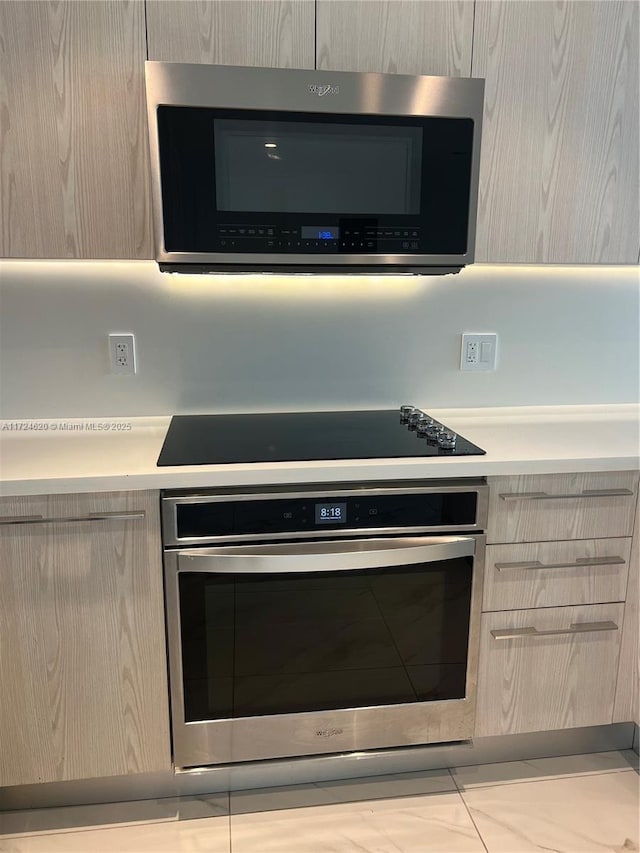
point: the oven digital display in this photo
(331, 513)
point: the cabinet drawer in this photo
(547, 507)
(43, 511)
(549, 574)
(555, 680)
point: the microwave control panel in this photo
(318, 238)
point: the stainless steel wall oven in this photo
(314, 619)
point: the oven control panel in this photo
(204, 520)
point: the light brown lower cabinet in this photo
(548, 668)
(82, 649)
(627, 706)
(561, 560)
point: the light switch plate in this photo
(478, 351)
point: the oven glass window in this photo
(305, 167)
(255, 645)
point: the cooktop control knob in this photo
(435, 430)
(405, 412)
(447, 439)
(424, 424)
(415, 416)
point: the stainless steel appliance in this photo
(265, 169)
(322, 619)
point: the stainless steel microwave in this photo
(278, 170)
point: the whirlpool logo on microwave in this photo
(320, 90)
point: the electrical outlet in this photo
(122, 354)
(478, 351)
(471, 352)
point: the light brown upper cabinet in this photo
(395, 36)
(74, 162)
(269, 33)
(559, 178)
(559, 168)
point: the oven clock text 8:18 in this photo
(333, 513)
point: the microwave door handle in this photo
(324, 557)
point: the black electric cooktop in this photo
(307, 436)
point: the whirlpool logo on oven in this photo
(329, 732)
(320, 90)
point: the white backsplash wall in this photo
(567, 335)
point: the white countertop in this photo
(112, 454)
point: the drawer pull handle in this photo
(575, 628)
(545, 496)
(578, 564)
(92, 516)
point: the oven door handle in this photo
(333, 556)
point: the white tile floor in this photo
(577, 804)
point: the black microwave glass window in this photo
(307, 167)
(236, 181)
